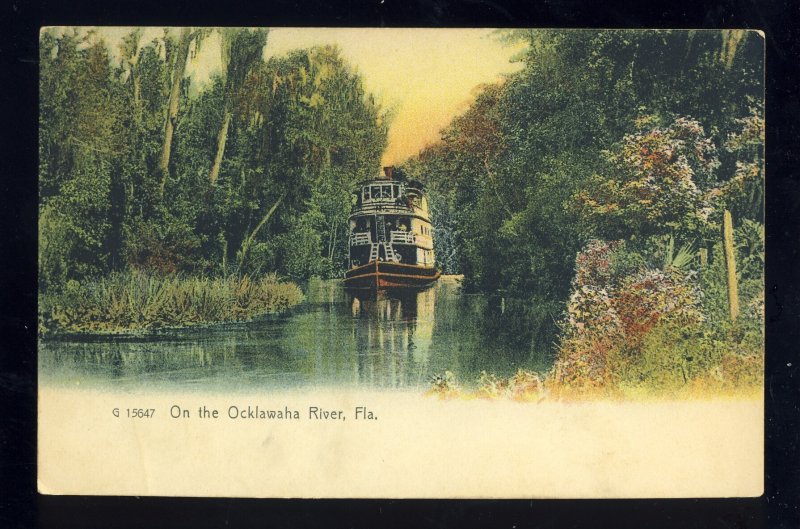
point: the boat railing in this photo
(390, 208)
(402, 237)
(357, 239)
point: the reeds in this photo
(135, 301)
(523, 386)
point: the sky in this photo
(424, 76)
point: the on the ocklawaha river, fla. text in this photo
(311, 413)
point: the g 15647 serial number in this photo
(135, 413)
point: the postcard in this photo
(401, 263)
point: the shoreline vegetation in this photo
(635, 198)
(734, 379)
(138, 302)
(643, 332)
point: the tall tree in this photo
(178, 57)
(543, 131)
(81, 139)
(129, 49)
(241, 49)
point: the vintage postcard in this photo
(401, 263)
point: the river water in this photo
(332, 339)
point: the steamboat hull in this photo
(385, 275)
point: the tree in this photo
(241, 49)
(318, 130)
(658, 183)
(177, 57)
(299, 131)
(78, 154)
(509, 169)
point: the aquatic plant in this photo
(524, 385)
(138, 301)
(491, 387)
(445, 385)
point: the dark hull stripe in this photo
(372, 278)
(396, 268)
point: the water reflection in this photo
(393, 334)
(388, 340)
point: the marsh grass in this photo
(523, 386)
(124, 302)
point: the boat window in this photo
(366, 193)
(381, 191)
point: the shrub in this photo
(584, 365)
(628, 329)
(654, 296)
(164, 246)
(526, 385)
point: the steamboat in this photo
(391, 237)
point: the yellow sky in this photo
(425, 76)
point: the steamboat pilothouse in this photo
(391, 237)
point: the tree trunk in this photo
(494, 187)
(332, 240)
(137, 96)
(224, 256)
(172, 110)
(245, 248)
(222, 138)
(730, 265)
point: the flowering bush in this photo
(609, 316)
(584, 363)
(654, 296)
(658, 182)
(593, 265)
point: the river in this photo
(332, 339)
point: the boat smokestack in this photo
(389, 172)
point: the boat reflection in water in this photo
(393, 335)
(334, 339)
(385, 339)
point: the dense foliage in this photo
(544, 161)
(598, 176)
(143, 170)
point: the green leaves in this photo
(653, 184)
(296, 133)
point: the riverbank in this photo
(744, 381)
(642, 332)
(137, 302)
